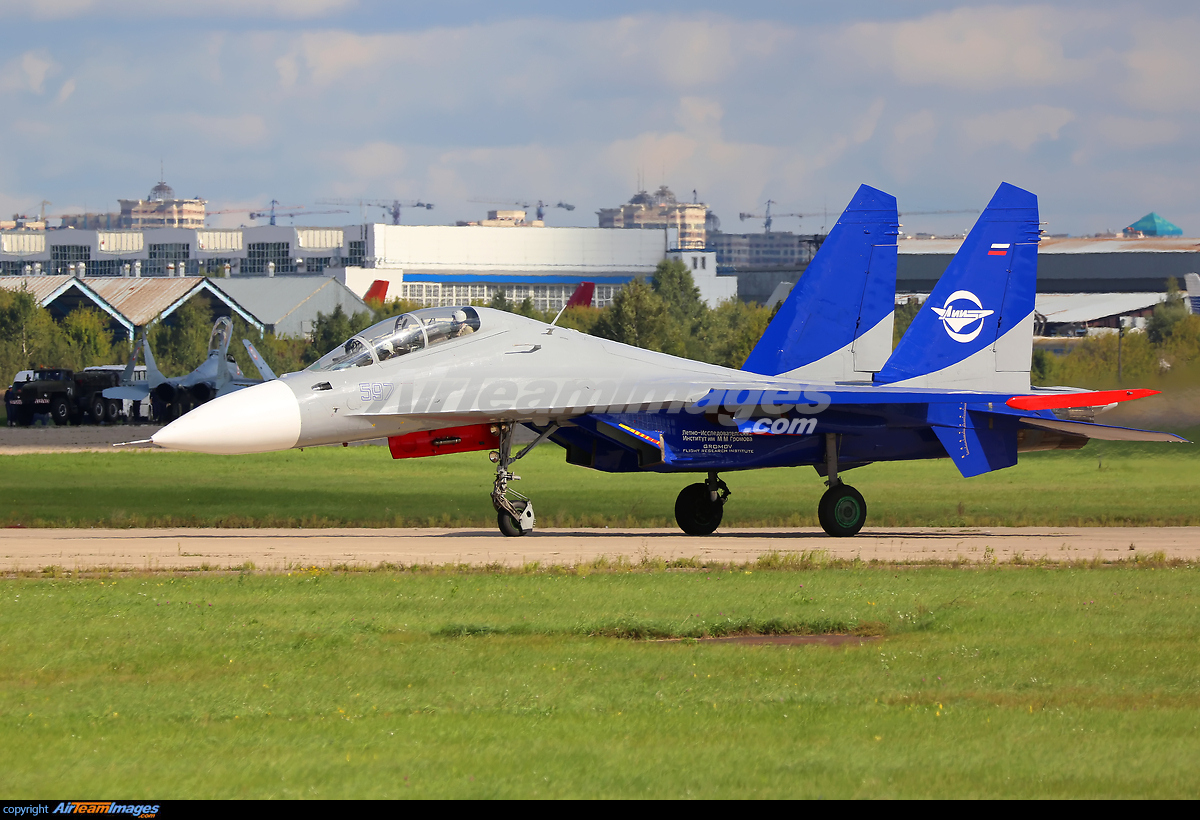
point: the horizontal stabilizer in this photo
(1103, 432)
(131, 392)
(1092, 398)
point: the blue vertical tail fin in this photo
(975, 331)
(836, 324)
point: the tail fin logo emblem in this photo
(956, 318)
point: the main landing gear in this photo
(699, 507)
(842, 510)
(514, 512)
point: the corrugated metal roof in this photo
(1076, 308)
(42, 287)
(274, 298)
(1071, 245)
(142, 300)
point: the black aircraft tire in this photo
(509, 525)
(842, 511)
(695, 511)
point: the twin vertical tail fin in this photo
(264, 369)
(154, 376)
(836, 324)
(975, 332)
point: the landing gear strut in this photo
(700, 507)
(514, 512)
(842, 510)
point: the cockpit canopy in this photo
(400, 335)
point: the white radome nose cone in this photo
(258, 419)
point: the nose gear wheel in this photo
(514, 512)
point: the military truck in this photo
(69, 397)
(91, 383)
(51, 391)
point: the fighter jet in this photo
(217, 375)
(822, 388)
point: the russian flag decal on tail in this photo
(999, 249)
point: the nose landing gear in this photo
(700, 507)
(514, 512)
(842, 510)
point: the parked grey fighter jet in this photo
(217, 375)
(822, 388)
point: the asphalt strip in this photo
(25, 550)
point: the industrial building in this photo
(661, 210)
(1069, 265)
(431, 265)
(284, 306)
(447, 265)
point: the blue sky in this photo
(1094, 106)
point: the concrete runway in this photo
(282, 549)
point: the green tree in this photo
(395, 307)
(637, 316)
(728, 334)
(89, 338)
(1043, 368)
(27, 326)
(686, 311)
(1167, 314)
(500, 301)
(180, 342)
(331, 330)
(906, 311)
(580, 318)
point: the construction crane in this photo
(928, 213)
(768, 217)
(276, 210)
(520, 203)
(392, 208)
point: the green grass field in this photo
(1105, 483)
(999, 682)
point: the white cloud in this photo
(700, 115)
(149, 9)
(27, 72)
(218, 132)
(739, 109)
(865, 129)
(912, 140)
(1163, 66)
(376, 159)
(972, 48)
(64, 93)
(1130, 132)
(1019, 128)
